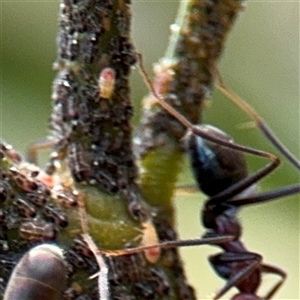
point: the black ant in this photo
(220, 170)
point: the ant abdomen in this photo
(215, 167)
(40, 274)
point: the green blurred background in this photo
(261, 63)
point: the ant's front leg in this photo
(215, 240)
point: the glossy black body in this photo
(216, 169)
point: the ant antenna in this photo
(202, 132)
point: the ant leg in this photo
(267, 196)
(34, 148)
(222, 265)
(260, 122)
(277, 271)
(194, 129)
(7, 150)
(216, 240)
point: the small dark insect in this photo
(10, 152)
(162, 282)
(37, 230)
(22, 181)
(36, 198)
(24, 209)
(40, 274)
(66, 199)
(55, 215)
(6, 191)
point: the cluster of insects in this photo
(34, 211)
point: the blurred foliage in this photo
(261, 63)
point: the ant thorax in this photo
(214, 166)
